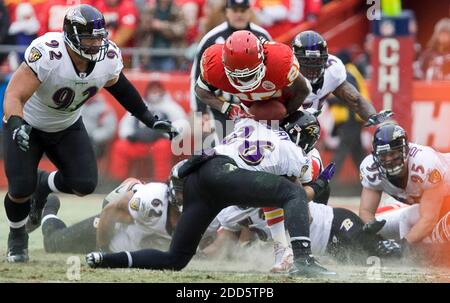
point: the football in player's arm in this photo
(408, 172)
(252, 70)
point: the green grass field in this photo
(248, 266)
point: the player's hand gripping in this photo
(234, 111)
(378, 118)
(20, 132)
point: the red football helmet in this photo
(243, 60)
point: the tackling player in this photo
(245, 170)
(42, 105)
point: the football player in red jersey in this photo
(252, 70)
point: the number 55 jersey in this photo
(56, 104)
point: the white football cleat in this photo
(284, 258)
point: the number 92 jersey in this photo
(56, 104)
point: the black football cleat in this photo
(38, 201)
(17, 247)
(308, 267)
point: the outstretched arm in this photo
(350, 95)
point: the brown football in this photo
(271, 109)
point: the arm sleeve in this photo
(127, 95)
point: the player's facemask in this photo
(391, 161)
(312, 68)
(91, 47)
(246, 80)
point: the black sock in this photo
(301, 248)
(16, 212)
(115, 260)
(42, 190)
(60, 184)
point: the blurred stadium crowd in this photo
(162, 36)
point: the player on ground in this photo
(410, 173)
(252, 70)
(335, 231)
(245, 170)
(42, 105)
(135, 216)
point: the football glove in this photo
(234, 111)
(388, 248)
(373, 226)
(165, 126)
(94, 259)
(324, 178)
(378, 118)
(20, 132)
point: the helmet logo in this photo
(75, 15)
(267, 85)
(397, 133)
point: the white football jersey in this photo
(57, 102)
(255, 146)
(426, 170)
(320, 227)
(148, 207)
(335, 74)
(233, 218)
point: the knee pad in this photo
(83, 187)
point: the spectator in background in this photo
(101, 123)
(214, 15)
(25, 27)
(121, 18)
(137, 141)
(161, 26)
(435, 61)
(192, 11)
(348, 124)
(4, 24)
(51, 13)
(279, 16)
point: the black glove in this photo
(378, 118)
(373, 226)
(20, 132)
(166, 127)
(388, 248)
(324, 178)
(159, 125)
